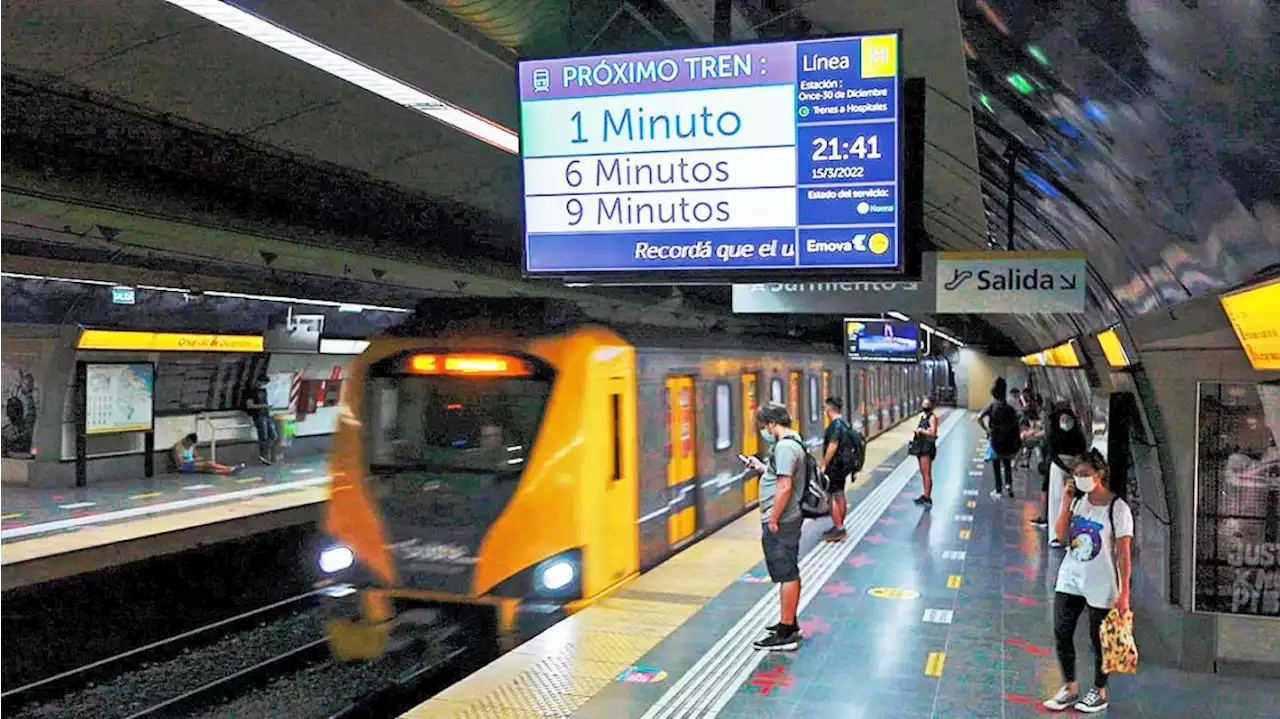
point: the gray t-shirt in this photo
(787, 458)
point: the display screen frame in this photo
(855, 354)
(910, 139)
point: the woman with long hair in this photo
(1064, 439)
(924, 447)
(1097, 527)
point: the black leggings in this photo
(1067, 609)
(1002, 467)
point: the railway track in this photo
(156, 652)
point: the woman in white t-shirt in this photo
(1097, 530)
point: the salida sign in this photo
(1011, 282)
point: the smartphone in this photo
(745, 459)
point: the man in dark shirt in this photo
(259, 411)
(838, 460)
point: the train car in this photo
(511, 460)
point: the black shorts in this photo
(837, 477)
(782, 550)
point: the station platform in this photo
(919, 613)
(48, 534)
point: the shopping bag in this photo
(990, 453)
(1119, 651)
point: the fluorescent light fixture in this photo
(899, 316)
(343, 306)
(344, 68)
(333, 346)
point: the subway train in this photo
(503, 459)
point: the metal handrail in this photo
(213, 433)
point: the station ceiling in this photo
(1144, 133)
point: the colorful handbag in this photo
(1119, 651)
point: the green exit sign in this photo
(122, 295)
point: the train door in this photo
(620, 545)
(750, 437)
(826, 392)
(873, 399)
(682, 482)
(793, 401)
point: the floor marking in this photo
(964, 517)
(766, 681)
(976, 473)
(893, 593)
(953, 581)
(247, 480)
(1024, 601)
(956, 554)
(970, 504)
(305, 470)
(197, 487)
(971, 493)
(146, 495)
(11, 515)
(1029, 648)
(1028, 572)
(876, 538)
(716, 677)
(964, 534)
(813, 626)
(859, 560)
(933, 665)
(938, 616)
(159, 508)
(77, 505)
(835, 589)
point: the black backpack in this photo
(851, 453)
(815, 490)
(1006, 437)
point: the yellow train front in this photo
(504, 469)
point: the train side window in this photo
(775, 390)
(724, 416)
(615, 409)
(814, 400)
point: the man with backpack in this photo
(842, 457)
(785, 477)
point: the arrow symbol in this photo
(1068, 281)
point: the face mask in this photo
(1066, 425)
(1086, 484)
(768, 437)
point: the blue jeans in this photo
(267, 434)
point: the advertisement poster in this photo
(21, 402)
(118, 398)
(1238, 499)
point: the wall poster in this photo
(119, 397)
(1237, 501)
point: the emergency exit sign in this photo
(122, 295)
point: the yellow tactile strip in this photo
(561, 669)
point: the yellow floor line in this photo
(146, 495)
(965, 534)
(558, 671)
(11, 515)
(953, 581)
(933, 665)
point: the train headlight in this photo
(336, 558)
(557, 574)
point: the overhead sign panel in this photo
(1254, 314)
(748, 158)
(840, 296)
(1013, 283)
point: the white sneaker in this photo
(1064, 699)
(995, 494)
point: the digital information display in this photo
(881, 341)
(747, 157)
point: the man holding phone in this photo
(781, 519)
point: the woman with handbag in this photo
(1097, 527)
(924, 447)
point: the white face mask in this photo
(1086, 484)
(1066, 425)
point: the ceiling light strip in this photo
(356, 73)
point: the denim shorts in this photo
(782, 550)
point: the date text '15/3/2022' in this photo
(771, 156)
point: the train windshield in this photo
(453, 424)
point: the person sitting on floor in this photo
(188, 462)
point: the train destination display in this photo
(748, 157)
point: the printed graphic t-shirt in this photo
(786, 459)
(1089, 568)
